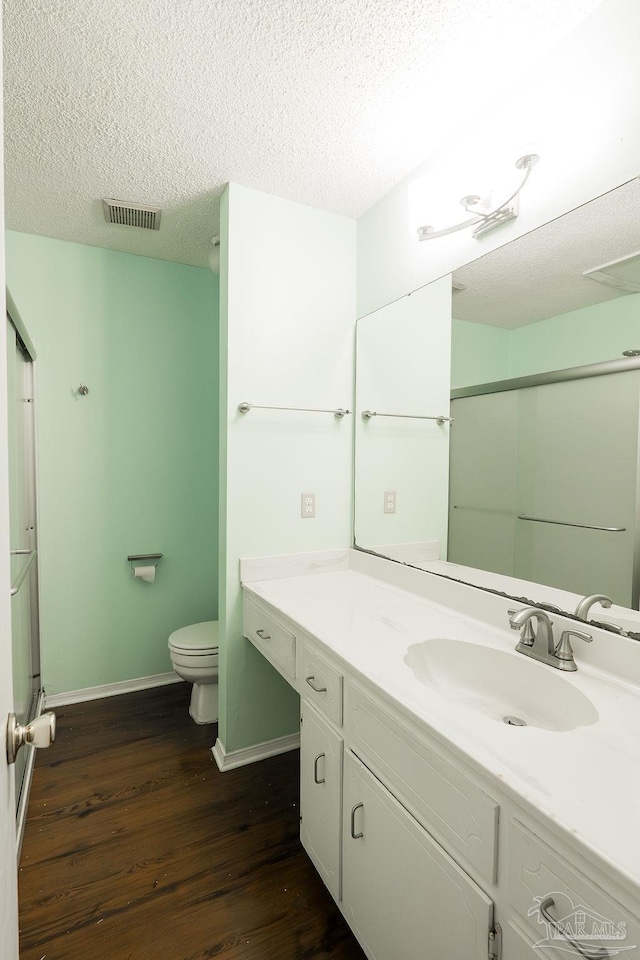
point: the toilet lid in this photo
(197, 636)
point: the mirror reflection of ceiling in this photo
(541, 275)
(324, 102)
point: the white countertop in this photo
(587, 780)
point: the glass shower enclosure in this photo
(544, 479)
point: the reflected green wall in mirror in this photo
(481, 353)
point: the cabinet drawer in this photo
(588, 914)
(460, 815)
(321, 683)
(270, 637)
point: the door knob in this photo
(41, 732)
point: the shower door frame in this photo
(604, 368)
(25, 346)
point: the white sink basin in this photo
(500, 684)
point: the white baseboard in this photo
(110, 689)
(239, 758)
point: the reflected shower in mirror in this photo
(542, 470)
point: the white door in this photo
(8, 872)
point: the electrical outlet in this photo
(308, 505)
(389, 501)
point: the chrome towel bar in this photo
(338, 414)
(368, 414)
(564, 523)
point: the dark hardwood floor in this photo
(138, 848)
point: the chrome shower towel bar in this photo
(368, 414)
(338, 414)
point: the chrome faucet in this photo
(539, 643)
(582, 610)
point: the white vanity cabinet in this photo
(426, 855)
(321, 683)
(403, 896)
(548, 892)
(321, 749)
(400, 891)
(455, 811)
(271, 637)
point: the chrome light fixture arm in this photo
(500, 213)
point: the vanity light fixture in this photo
(485, 215)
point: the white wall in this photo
(578, 111)
(287, 318)
(404, 354)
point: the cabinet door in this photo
(321, 795)
(404, 897)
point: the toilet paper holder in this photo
(144, 559)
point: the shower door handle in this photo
(19, 580)
(41, 732)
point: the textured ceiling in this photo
(327, 102)
(541, 274)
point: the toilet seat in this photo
(198, 639)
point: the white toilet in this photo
(194, 655)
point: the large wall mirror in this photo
(523, 462)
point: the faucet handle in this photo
(564, 650)
(549, 607)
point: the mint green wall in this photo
(481, 353)
(132, 467)
(590, 335)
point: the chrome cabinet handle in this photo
(356, 836)
(592, 953)
(310, 680)
(262, 634)
(315, 769)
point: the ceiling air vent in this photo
(623, 273)
(132, 214)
